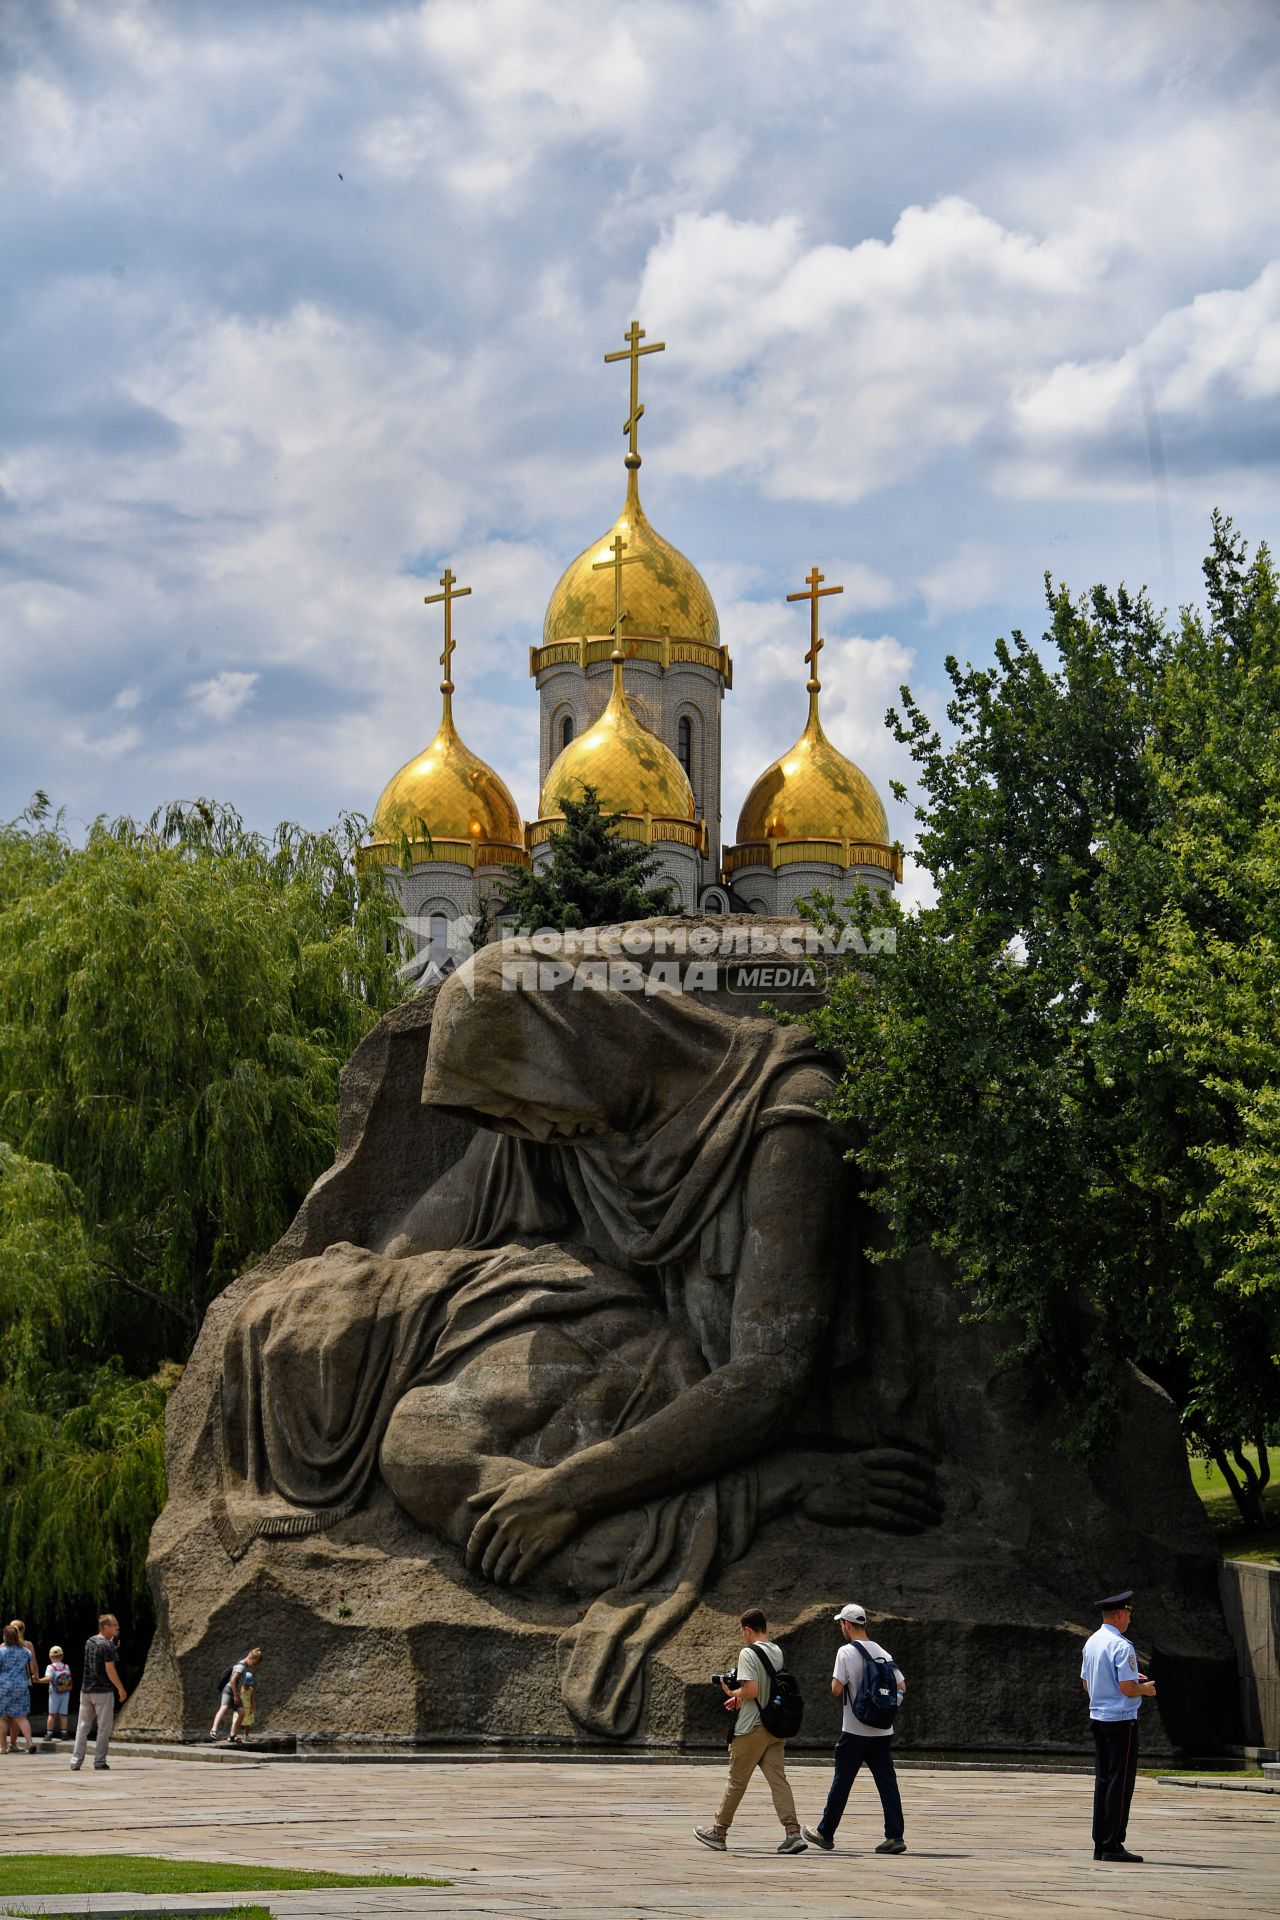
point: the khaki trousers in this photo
(97, 1716)
(762, 1749)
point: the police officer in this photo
(1109, 1675)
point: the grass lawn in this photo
(254, 1912)
(144, 1873)
(1200, 1773)
(1239, 1542)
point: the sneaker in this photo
(100, 1766)
(892, 1846)
(713, 1837)
(794, 1843)
(816, 1838)
(1120, 1853)
(76, 1765)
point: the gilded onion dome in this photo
(813, 793)
(665, 592)
(632, 771)
(813, 804)
(457, 794)
(447, 802)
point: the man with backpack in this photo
(767, 1703)
(871, 1687)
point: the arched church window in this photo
(438, 930)
(566, 731)
(684, 745)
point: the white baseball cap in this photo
(852, 1612)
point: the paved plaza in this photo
(559, 1838)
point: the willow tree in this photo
(176, 1003)
(1065, 1075)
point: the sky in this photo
(300, 303)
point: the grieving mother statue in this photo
(581, 1355)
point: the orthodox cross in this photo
(621, 558)
(816, 592)
(632, 352)
(450, 594)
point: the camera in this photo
(729, 1680)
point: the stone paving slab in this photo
(560, 1840)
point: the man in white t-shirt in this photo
(859, 1742)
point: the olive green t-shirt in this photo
(749, 1668)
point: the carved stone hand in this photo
(884, 1487)
(520, 1523)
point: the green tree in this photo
(595, 878)
(82, 1444)
(1065, 1076)
(176, 1003)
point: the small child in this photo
(57, 1677)
(243, 1718)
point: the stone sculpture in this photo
(579, 1355)
(582, 1318)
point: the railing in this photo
(449, 853)
(661, 649)
(645, 828)
(827, 853)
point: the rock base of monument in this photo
(388, 1644)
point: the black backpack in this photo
(783, 1711)
(225, 1681)
(877, 1699)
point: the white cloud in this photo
(126, 701)
(221, 698)
(1206, 377)
(855, 366)
(968, 579)
(108, 747)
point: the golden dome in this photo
(665, 593)
(457, 794)
(631, 770)
(813, 793)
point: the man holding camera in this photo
(752, 1744)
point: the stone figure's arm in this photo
(783, 1298)
(437, 1220)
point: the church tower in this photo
(674, 669)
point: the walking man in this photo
(864, 1675)
(99, 1689)
(753, 1745)
(1109, 1675)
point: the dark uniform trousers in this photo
(1115, 1768)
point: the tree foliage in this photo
(595, 878)
(176, 1002)
(1067, 1075)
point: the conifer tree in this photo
(595, 878)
